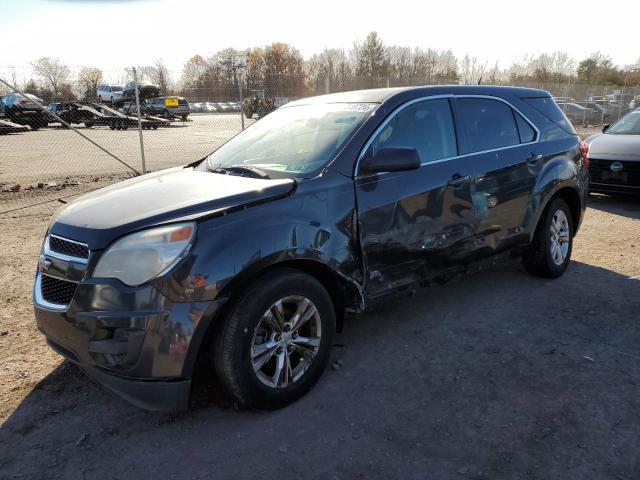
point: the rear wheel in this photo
(275, 341)
(550, 250)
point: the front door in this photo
(414, 224)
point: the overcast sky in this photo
(112, 34)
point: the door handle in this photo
(533, 159)
(457, 180)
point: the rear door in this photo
(503, 147)
(416, 223)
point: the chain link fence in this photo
(55, 148)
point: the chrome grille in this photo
(68, 247)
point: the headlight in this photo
(141, 256)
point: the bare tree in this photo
(231, 62)
(471, 70)
(52, 71)
(89, 79)
(333, 66)
(194, 71)
(159, 74)
(400, 61)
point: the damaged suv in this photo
(249, 259)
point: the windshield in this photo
(627, 125)
(292, 141)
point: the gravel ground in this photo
(497, 376)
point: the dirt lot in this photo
(498, 376)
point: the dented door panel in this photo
(413, 225)
(501, 195)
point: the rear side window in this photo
(426, 126)
(549, 108)
(527, 133)
(487, 124)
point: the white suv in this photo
(109, 93)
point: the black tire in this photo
(538, 260)
(248, 114)
(88, 124)
(184, 118)
(232, 344)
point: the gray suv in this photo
(246, 262)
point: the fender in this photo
(316, 227)
(558, 173)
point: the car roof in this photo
(380, 95)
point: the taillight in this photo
(584, 151)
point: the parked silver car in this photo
(109, 93)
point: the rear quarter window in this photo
(547, 107)
(487, 124)
(527, 133)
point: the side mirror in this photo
(606, 127)
(391, 159)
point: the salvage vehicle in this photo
(248, 260)
(109, 93)
(614, 156)
(580, 115)
(24, 110)
(145, 91)
(167, 107)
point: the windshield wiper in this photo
(241, 169)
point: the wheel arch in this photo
(570, 195)
(346, 295)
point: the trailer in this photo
(9, 127)
(117, 120)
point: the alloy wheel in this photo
(559, 237)
(286, 341)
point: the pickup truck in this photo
(248, 260)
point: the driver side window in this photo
(426, 126)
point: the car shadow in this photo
(489, 375)
(623, 205)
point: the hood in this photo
(614, 147)
(101, 216)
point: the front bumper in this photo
(134, 341)
(150, 394)
(614, 188)
(624, 180)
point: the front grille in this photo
(631, 168)
(56, 290)
(66, 247)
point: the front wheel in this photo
(274, 343)
(550, 250)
